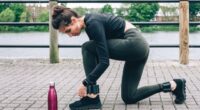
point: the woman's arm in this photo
(97, 33)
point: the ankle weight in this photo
(166, 87)
(92, 89)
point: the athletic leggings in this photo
(134, 50)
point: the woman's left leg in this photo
(134, 50)
(135, 59)
(89, 57)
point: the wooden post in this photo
(184, 32)
(54, 50)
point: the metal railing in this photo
(78, 46)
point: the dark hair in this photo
(62, 16)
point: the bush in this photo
(194, 29)
(107, 9)
(25, 17)
(3, 6)
(7, 15)
(23, 28)
(166, 28)
(43, 17)
(18, 9)
(159, 28)
(142, 11)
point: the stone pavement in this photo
(24, 84)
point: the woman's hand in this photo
(82, 91)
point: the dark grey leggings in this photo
(134, 50)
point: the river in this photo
(40, 38)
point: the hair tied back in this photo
(57, 10)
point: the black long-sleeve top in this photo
(99, 28)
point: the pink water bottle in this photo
(52, 97)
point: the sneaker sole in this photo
(183, 91)
(97, 106)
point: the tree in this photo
(44, 16)
(107, 9)
(7, 15)
(3, 6)
(18, 9)
(194, 10)
(25, 17)
(142, 11)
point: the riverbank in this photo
(148, 29)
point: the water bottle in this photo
(52, 97)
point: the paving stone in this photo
(20, 108)
(8, 108)
(25, 84)
(11, 105)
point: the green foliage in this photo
(7, 15)
(3, 6)
(159, 28)
(25, 17)
(194, 9)
(80, 10)
(24, 28)
(107, 9)
(166, 28)
(142, 11)
(194, 29)
(46, 29)
(18, 9)
(43, 17)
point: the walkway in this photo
(24, 84)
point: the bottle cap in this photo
(52, 83)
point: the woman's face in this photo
(73, 29)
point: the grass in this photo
(166, 28)
(24, 28)
(46, 28)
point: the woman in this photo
(111, 37)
